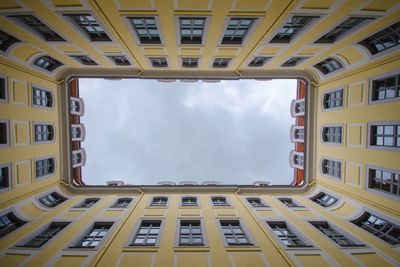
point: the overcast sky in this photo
(144, 131)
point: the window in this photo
(44, 236)
(122, 203)
(332, 168)
(297, 107)
(77, 106)
(7, 40)
(43, 132)
(334, 235)
(341, 29)
(297, 133)
(85, 60)
(290, 203)
(189, 201)
(147, 233)
(236, 30)
(88, 24)
(332, 134)
(298, 160)
(387, 135)
(158, 62)
(294, 61)
(333, 99)
(385, 39)
(120, 60)
(44, 167)
(159, 201)
(42, 97)
(286, 235)
(291, 28)
(9, 222)
(38, 26)
(146, 30)
(256, 202)
(94, 236)
(48, 63)
(52, 200)
(324, 199)
(4, 133)
(233, 233)
(329, 65)
(258, 61)
(221, 62)
(387, 181)
(5, 176)
(219, 201)
(3, 88)
(379, 227)
(78, 158)
(386, 88)
(78, 132)
(190, 62)
(190, 233)
(191, 30)
(88, 203)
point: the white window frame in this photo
(136, 228)
(82, 162)
(292, 161)
(342, 137)
(41, 206)
(228, 203)
(202, 227)
(294, 104)
(47, 175)
(246, 37)
(336, 204)
(149, 204)
(7, 123)
(189, 206)
(5, 100)
(34, 123)
(10, 178)
(338, 179)
(82, 131)
(245, 229)
(81, 110)
(135, 35)
(205, 30)
(293, 137)
(380, 123)
(381, 77)
(331, 91)
(375, 190)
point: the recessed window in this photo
(44, 236)
(189, 201)
(190, 233)
(290, 203)
(44, 167)
(236, 30)
(4, 133)
(332, 168)
(334, 235)
(294, 61)
(219, 201)
(324, 199)
(43, 132)
(379, 227)
(386, 88)
(85, 60)
(341, 29)
(88, 203)
(147, 234)
(234, 233)
(88, 24)
(5, 176)
(42, 97)
(9, 222)
(7, 40)
(52, 200)
(3, 88)
(221, 62)
(38, 26)
(94, 236)
(192, 30)
(122, 203)
(48, 63)
(120, 60)
(158, 62)
(383, 40)
(256, 202)
(329, 65)
(332, 134)
(258, 61)
(77, 106)
(333, 99)
(387, 181)
(286, 235)
(159, 201)
(190, 62)
(146, 30)
(291, 28)
(386, 135)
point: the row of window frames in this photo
(191, 232)
(42, 133)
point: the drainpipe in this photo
(262, 227)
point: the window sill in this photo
(246, 248)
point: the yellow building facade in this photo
(344, 213)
